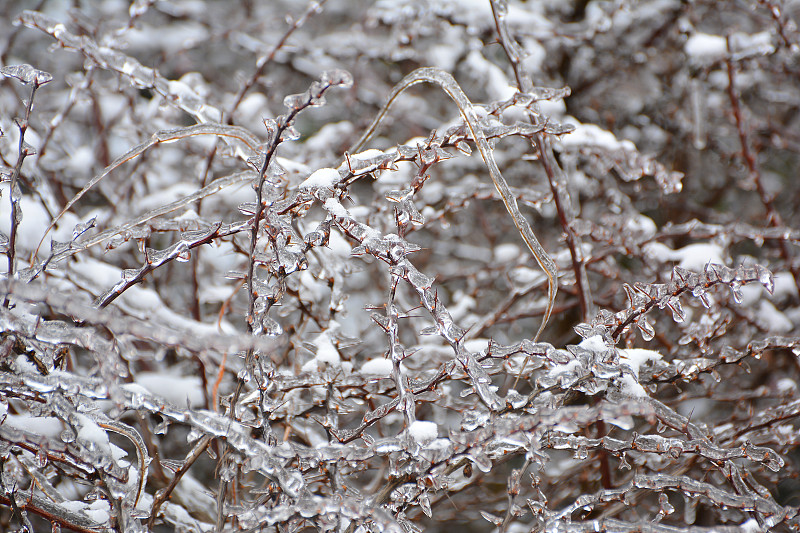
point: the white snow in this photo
(506, 253)
(753, 44)
(631, 387)
(691, 257)
(461, 305)
(643, 225)
(552, 108)
(494, 80)
(99, 511)
(562, 369)
(339, 245)
(592, 135)
(194, 495)
(786, 385)
(702, 47)
(326, 351)
(696, 256)
(524, 276)
(335, 208)
(34, 222)
(635, 358)
(176, 389)
(594, 344)
(476, 345)
(189, 214)
(24, 366)
(324, 177)
(328, 137)
(380, 366)
(750, 526)
(46, 426)
(92, 434)
(658, 251)
(253, 107)
(785, 287)
(366, 155)
(423, 432)
(80, 160)
(446, 56)
(773, 319)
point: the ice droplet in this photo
(425, 505)
(26, 74)
(766, 278)
(663, 503)
(41, 457)
(294, 101)
(68, 436)
(689, 509)
(773, 461)
(482, 461)
(675, 451)
(472, 420)
(496, 520)
(678, 314)
(705, 300)
(338, 77)
(646, 329)
(736, 291)
(82, 228)
(290, 134)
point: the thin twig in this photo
(22, 153)
(774, 218)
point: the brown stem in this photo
(21, 155)
(164, 494)
(555, 174)
(773, 216)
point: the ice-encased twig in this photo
(390, 249)
(193, 340)
(140, 76)
(451, 87)
(235, 132)
(257, 455)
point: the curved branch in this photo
(454, 91)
